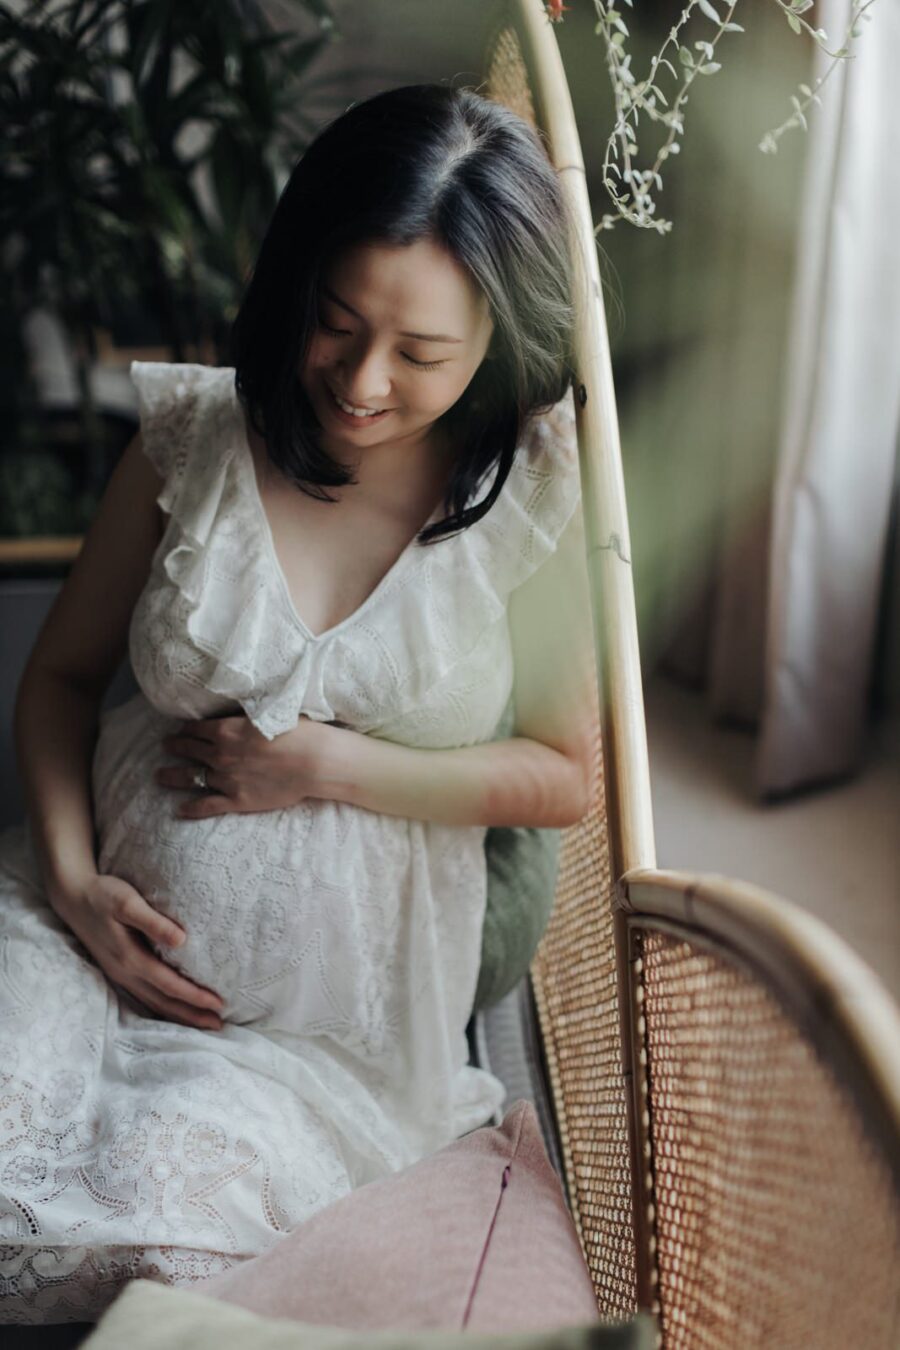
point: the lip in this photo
(348, 419)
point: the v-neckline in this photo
(247, 460)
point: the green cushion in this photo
(522, 863)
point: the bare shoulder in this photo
(84, 636)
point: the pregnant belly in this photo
(280, 911)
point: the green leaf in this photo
(148, 23)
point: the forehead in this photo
(418, 287)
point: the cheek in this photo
(430, 394)
(442, 389)
(460, 383)
(316, 357)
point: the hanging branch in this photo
(631, 189)
(769, 142)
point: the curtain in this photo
(839, 425)
(758, 375)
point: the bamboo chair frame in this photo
(718, 1059)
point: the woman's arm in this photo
(73, 660)
(78, 649)
(541, 775)
(519, 781)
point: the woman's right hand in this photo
(114, 922)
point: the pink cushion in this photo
(477, 1235)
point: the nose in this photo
(365, 376)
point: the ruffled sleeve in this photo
(171, 403)
(538, 498)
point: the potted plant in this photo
(145, 146)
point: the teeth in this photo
(349, 408)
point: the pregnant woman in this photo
(240, 931)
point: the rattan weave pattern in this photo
(574, 981)
(775, 1215)
(506, 76)
(574, 972)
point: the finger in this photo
(188, 747)
(206, 805)
(173, 1009)
(210, 728)
(165, 980)
(132, 910)
(180, 776)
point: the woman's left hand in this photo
(244, 770)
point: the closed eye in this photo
(337, 332)
(345, 332)
(423, 365)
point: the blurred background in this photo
(756, 352)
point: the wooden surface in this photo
(40, 549)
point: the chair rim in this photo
(607, 538)
(826, 989)
(625, 784)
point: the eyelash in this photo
(419, 365)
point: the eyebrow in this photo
(422, 337)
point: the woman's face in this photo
(401, 331)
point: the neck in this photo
(429, 460)
(377, 469)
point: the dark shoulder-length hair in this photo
(423, 161)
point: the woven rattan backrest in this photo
(725, 1073)
(771, 1084)
(776, 1220)
(574, 975)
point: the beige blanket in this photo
(151, 1316)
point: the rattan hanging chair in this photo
(724, 1071)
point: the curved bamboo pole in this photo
(626, 782)
(630, 816)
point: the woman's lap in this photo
(108, 1134)
(45, 1285)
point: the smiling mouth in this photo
(352, 410)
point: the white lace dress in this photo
(346, 943)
